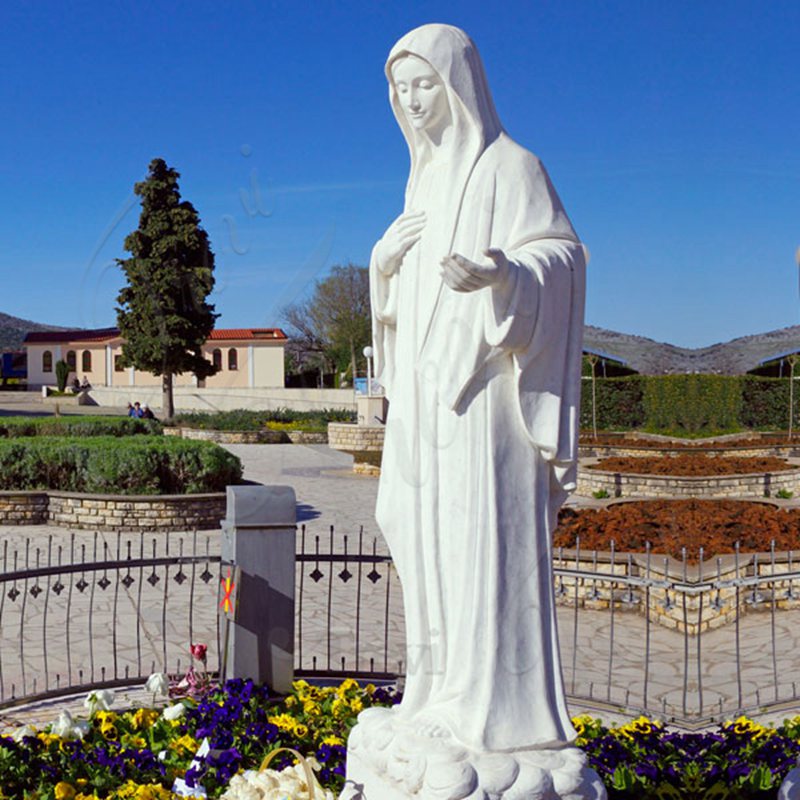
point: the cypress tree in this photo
(163, 314)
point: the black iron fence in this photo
(639, 633)
(97, 610)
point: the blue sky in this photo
(670, 130)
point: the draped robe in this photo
(481, 436)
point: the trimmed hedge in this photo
(690, 404)
(765, 402)
(243, 420)
(108, 465)
(620, 403)
(693, 403)
(78, 426)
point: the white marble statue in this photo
(477, 301)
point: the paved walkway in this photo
(328, 493)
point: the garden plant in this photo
(140, 753)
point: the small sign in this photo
(230, 592)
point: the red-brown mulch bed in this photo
(668, 525)
(692, 465)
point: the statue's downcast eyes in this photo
(421, 92)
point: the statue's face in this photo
(422, 94)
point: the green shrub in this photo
(680, 405)
(243, 420)
(693, 404)
(619, 403)
(62, 374)
(79, 426)
(765, 403)
(109, 465)
(600, 494)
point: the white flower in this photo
(180, 788)
(174, 712)
(100, 700)
(25, 730)
(67, 728)
(157, 683)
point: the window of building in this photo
(47, 361)
(86, 360)
(233, 359)
(71, 360)
(118, 364)
(216, 359)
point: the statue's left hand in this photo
(463, 275)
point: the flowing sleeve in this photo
(535, 318)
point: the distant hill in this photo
(13, 330)
(728, 358)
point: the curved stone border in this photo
(628, 484)
(703, 610)
(265, 436)
(352, 437)
(125, 513)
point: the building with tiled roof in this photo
(245, 357)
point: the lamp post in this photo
(367, 351)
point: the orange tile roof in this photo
(105, 334)
(247, 333)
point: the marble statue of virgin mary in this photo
(477, 301)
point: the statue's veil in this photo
(475, 123)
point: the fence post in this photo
(258, 561)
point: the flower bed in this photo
(139, 754)
(669, 525)
(692, 464)
(644, 760)
(280, 419)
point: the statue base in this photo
(388, 759)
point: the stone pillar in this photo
(258, 556)
(371, 410)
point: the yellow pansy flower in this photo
(64, 791)
(143, 718)
(345, 686)
(300, 730)
(311, 707)
(185, 745)
(285, 722)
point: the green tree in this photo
(62, 375)
(334, 324)
(163, 314)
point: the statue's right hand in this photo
(399, 238)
